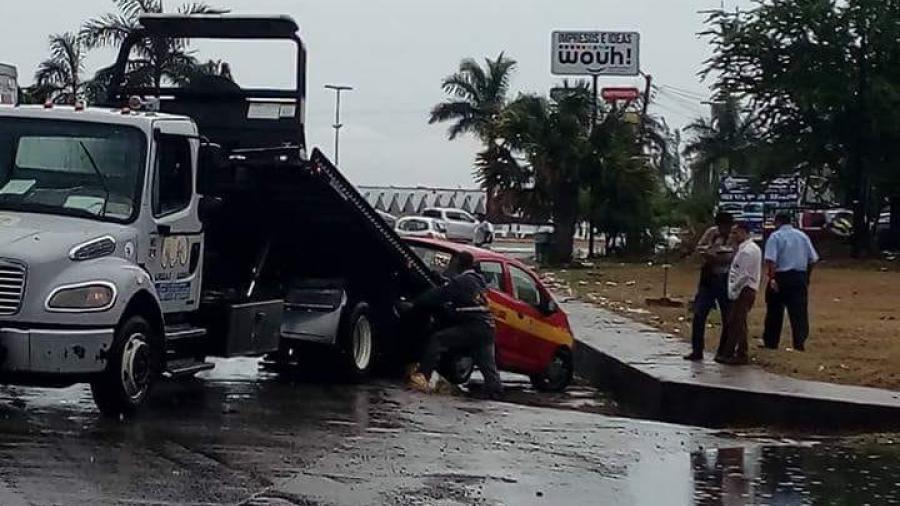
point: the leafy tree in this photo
(58, 78)
(552, 134)
(156, 59)
(719, 145)
(663, 147)
(822, 82)
(476, 98)
(623, 183)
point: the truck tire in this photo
(558, 374)
(455, 368)
(357, 343)
(124, 386)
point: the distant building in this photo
(9, 87)
(406, 201)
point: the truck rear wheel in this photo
(357, 341)
(124, 386)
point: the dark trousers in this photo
(793, 294)
(711, 292)
(475, 339)
(735, 331)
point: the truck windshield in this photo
(71, 168)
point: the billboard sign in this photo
(779, 191)
(595, 53)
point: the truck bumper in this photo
(53, 351)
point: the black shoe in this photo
(694, 357)
(733, 360)
(486, 395)
(800, 347)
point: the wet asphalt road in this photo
(238, 437)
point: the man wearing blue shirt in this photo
(790, 258)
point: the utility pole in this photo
(594, 112)
(337, 117)
(649, 85)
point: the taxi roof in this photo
(479, 253)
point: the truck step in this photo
(185, 367)
(179, 332)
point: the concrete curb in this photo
(661, 386)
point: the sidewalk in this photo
(643, 368)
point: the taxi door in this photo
(501, 304)
(535, 335)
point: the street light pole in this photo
(337, 117)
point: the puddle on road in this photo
(771, 475)
(742, 469)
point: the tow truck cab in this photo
(181, 223)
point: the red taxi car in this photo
(533, 333)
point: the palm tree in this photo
(719, 145)
(58, 78)
(154, 60)
(553, 135)
(476, 98)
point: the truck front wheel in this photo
(123, 387)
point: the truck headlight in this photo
(94, 296)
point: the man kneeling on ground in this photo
(743, 283)
(470, 326)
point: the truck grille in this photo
(12, 287)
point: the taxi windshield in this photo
(71, 168)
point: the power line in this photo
(683, 90)
(694, 109)
(693, 104)
(684, 93)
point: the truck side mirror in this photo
(208, 207)
(211, 160)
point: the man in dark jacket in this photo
(463, 303)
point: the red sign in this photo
(616, 94)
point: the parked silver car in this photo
(460, 224)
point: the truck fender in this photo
(143, 300)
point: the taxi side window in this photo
(493, 274)
(524, 287)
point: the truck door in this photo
(175, 253)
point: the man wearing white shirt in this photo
(743, 284)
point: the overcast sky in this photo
(395, 53)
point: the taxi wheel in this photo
(558, 374)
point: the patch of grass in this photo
(854, 316)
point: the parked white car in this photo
(460, 224)
(388, 218)
(419, 226)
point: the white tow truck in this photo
(175, 224)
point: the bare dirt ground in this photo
(854, 316)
